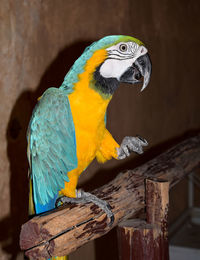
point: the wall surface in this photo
(40, 41)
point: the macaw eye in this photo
(123, 47)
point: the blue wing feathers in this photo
(52, 146)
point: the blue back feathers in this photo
(52, 146)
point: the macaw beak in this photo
(140, 68)
(143, 63)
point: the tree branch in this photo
(64, 230)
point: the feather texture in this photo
(52, 147)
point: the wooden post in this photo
(137, 240)
(147, 240)
(157, 205)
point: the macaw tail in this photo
(37, 208)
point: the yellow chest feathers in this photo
(88, 110)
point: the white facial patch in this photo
(113, 68)
(120, 58)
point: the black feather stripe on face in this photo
(106, 86)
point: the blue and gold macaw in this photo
(67, 129)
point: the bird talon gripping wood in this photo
(86, 197)
(67, 129)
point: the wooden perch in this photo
(64, 230)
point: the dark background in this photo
(40, 40)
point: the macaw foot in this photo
(131, 144)
(86, 197)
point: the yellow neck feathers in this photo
(86, 77)
(85, 100)
(82, 89)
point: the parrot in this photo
(67, 129)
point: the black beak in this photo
(140, 68)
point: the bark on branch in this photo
(63, 231)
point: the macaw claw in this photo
(131, 144)
(63, 199)
(83, 197)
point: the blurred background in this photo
(41, 39)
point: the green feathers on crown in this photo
(78, 66)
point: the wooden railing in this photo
(64, 230)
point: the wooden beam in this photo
(64, 230)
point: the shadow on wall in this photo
(16, 146)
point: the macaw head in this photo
(110, 61)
